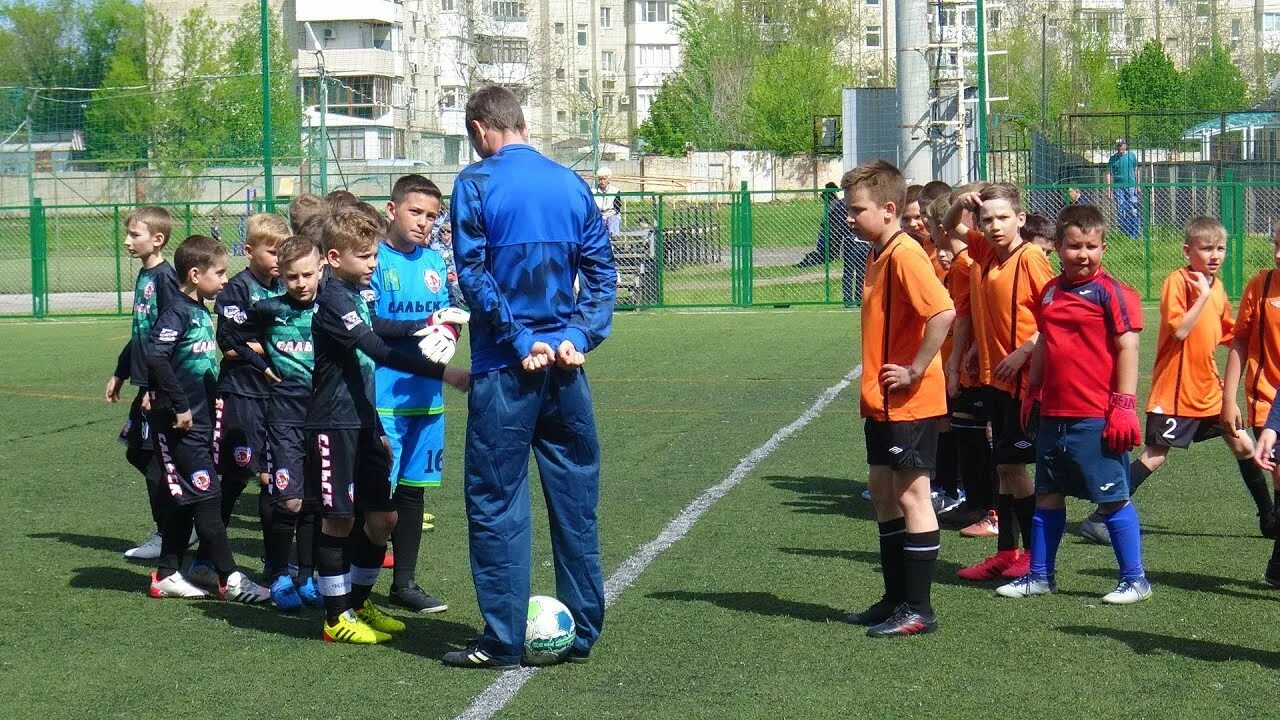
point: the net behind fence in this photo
(709, 249)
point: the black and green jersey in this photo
(238, 376)
(283, 326)
(184, 360)
(153, 292)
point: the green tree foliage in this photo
(1149, 83)
(1214, 82)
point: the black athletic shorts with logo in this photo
(286, 462)
(189, 474)
(240, 434)
(1179, 432)
(902, 445)
(971, 401)
(136, 433)
(1010, 445)
(348, 469)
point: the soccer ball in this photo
(549, 631)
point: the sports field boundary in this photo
(495, 697)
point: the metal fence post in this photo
(39, 260)
(659, 251)
(747, 262)
(735, 239)
(116, 243)
(827, 198)
(1229, 212)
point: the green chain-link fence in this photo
(712, 249)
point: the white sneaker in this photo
(202, 573)
(149, 550)
(175, 586)
(240, 588)
(1129, 591)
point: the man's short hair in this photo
(197, 252)
(1205, 229)
(1037, 225)
(410, 184)
(379, 218)
(882, 182)
(933, 190)
(265, 229)
(913, 194)
(302, 207)
(293, 249)
(1086, 218)
(157, 219)
(351, 229)
(1002, 191)
(496, 108)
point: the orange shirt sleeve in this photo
(958, 284)
(1243, 327)
(979, 249)
(1173, 301)
(1228, 323)
(1039, 271)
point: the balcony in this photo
(327, 10)
(362, 61)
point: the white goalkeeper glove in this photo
(449, 316)
(438, 343)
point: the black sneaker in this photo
(473, 657)
(1272, 575)
(905, 621)
(417, 600)
(879, 612)
(577, 655)
(961, 516)
(1269, 524)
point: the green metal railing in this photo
(739, 248)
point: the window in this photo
(508, 11)
(521, 92)
(608, 85)
(491, 50)
(346, 143)
(452, 98)
(946, 17)
(606, 61)
(561, 116)
(993, 19)
(447, 6)
(1135, 28)
(1237, 29)
(582, 35)
(584, 81)
(584, 123)
(559, 73)
(873, 77)
(1271, 22)
(647, 11)
(969, 18)
(386, 146)
(608, 103)
(362, 96)
(658, 56)
(873, 36)
(559, 28)
(1202, 9)
(644, 100)
(873, 3)
(606, 17)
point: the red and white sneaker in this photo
(1020, 567)
(990, 569)
(987, 527)
(175, 586)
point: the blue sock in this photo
(1126, 541)
(1047, 526)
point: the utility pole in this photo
(324, 110)
(915, 160)
(264, 34)
(982, 90)
(595, 138)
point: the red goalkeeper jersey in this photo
(1078, 327)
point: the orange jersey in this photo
(901, 294)
(956, 281)
(1185, 381)
(1003, 317)
(1259, 322)
(932, 251)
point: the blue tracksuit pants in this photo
(509, 413)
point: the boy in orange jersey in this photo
(1185, 404)
(905, 317)
(1255, 354)
(915, 223)
(1011, 274)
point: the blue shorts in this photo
(417, 449)
(1070, 460)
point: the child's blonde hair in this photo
(265, 230)
(1205, 229)
(157, 219)
(350, 229)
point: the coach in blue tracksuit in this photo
(524, 227)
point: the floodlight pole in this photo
(264, 35)
(982, 90)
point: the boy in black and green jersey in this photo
(146, 232)
(183, 373)
(348, 463)
(282, 327)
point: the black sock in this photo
(407, 534)
(1025, 508)
(920, 554)
(334, 583)
(175, 528)
(1256, 481)
(148, 463)
(284, 524)
(366, 564)
(231, 489)
(948, 480)
(267, 508)
(307, 531)
(893, 535)
(213, 537)
(1275, 557)
(1138, 474)
(1007, 539)
(973, 456)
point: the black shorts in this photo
(240, 434)
(971, 401)
(189, 473)
(136, 433)
(348, 469)
(286, 459)
(902, 445)
(1179, 432)
(1009, 444)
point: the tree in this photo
(239, 94)
(119, 120)
(1149, 83)
(1214, 82)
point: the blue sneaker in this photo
(310, 594)
(1129, 591)
(284, 594)
(866, 494)
(1028, 585)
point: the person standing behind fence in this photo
(524, 229)
(1122, 176)
(608, 201)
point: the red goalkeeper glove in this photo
(1121, 432)
(1029, 416)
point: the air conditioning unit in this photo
(327, 35)
(413, 68)
(624, 101)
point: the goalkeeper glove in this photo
(438, 343)
(1121, 433)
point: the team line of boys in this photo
(979, 360)
(320, 379)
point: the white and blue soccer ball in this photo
(549, 631)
